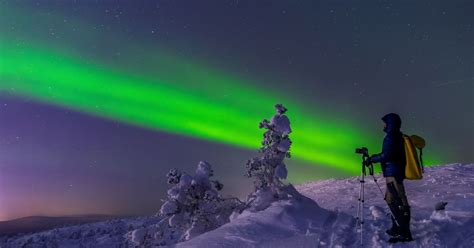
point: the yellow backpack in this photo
(414, 166)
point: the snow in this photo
(168, 208)
(453, 227)
(286, 221)
(101, 234)
(322, 216)
(331, 221)
(281, 124)
(281, 172)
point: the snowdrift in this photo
(322, 216)
(288, 223)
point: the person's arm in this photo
(387, 151)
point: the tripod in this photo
(360, 208)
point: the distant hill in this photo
(41, 223)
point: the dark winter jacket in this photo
(392, 157)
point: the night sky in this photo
(99, 99)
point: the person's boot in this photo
(404, 234)
(395, 216)
(401, 238)
(395, 229)
(405, 231)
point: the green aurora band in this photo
(58, 79)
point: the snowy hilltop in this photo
(322, 216)
(325, 215)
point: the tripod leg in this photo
(363, 202)
(360, 208)
(362, 212)
(359, 203)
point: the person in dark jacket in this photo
(392, 160)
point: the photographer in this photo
(392, 159)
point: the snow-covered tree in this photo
(194, 206)
(268, 169)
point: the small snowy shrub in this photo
(193, 207)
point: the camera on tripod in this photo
(365, 159)
(363, 150)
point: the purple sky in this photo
(58, 162)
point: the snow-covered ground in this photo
(333, 223)
(453, 227)
(324, 216)
(100, 234)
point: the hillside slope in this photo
(323, 216)
(332, 223)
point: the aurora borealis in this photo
(53, 79)
(103, 63)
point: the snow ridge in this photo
(322, 216)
